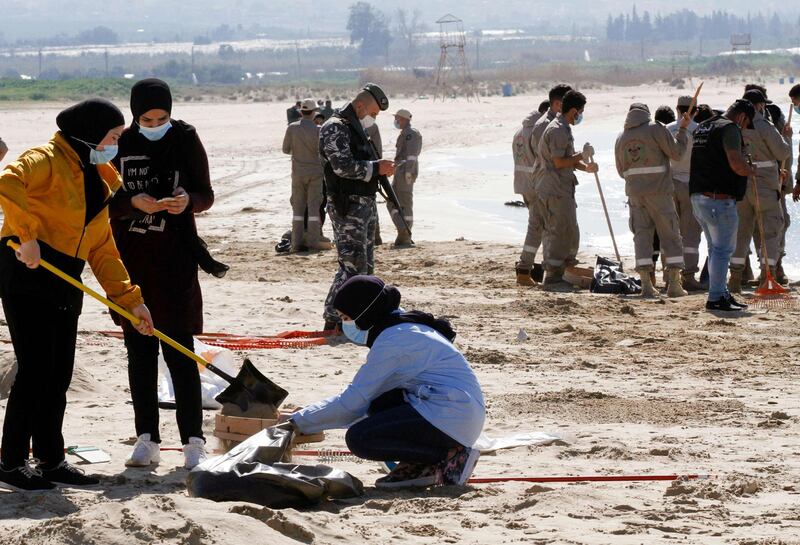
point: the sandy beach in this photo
(631, 386)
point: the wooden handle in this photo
(116, 308)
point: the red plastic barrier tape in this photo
(287, 339)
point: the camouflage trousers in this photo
(355, 244)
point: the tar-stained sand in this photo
(633, 387)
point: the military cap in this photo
(379, 96)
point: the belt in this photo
(411, 158)
(644, 170)
(765, 164)
(719, 196)
(529, 170)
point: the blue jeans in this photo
(394, 430)
(720, 222)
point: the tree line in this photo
(686, 24)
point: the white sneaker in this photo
(194, 452)
(145, 452)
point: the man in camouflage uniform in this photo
(351, 177)
(408, 147)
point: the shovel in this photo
(248, 390)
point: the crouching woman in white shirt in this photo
(415, 400)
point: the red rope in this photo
(286, 339)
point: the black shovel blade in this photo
(251, 387)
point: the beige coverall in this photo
(523, 148)
(690, 229)
(767, 148)
(302, 143)
(555, 189)
(643, 152)
(408, 148)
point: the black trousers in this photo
(143, 379)
(394, 430)
(44, 344)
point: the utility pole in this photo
(106, 56)
(40, 63)
(297, 51)
(192, 60)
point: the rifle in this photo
(387, 191)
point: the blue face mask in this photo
(796, 109)
(579, 118)
(155, 133)
(351, 331)
(100, 157)
(397, 124)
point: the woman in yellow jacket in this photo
(54, 199)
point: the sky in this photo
(20, 19)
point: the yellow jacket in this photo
(42, 195)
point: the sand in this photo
(632, 386)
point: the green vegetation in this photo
(12, 89)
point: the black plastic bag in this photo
(609, 278)
(250, 472)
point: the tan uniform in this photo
(643, 152)
(690, 229)
(555, 189)
(302, 143)
(523, 148)
(408, 148)
(768, 149)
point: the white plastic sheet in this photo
(488, 444)
(210, 384)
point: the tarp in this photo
(250, 472)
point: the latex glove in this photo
(588, 153)
(147, 204)
(29, 253)
(178, 203)
(591, 168)
(145, 326)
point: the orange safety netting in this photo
(287, 339)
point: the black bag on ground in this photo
(609, 278)
(250, 472)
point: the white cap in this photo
(308, 105)
(405, 114)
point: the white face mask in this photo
(368, 121)
(397, 124)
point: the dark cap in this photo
(379, 96)
(754, 96)
(639, 106)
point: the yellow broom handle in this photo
(115, 307)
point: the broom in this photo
(770, 294)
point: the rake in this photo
(770, 294)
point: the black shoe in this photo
(722, 305)
(24, 477)
(734, 303)
(537, 273)
(64, 473)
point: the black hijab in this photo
(89, 121)
(375, 307)
(154, 94)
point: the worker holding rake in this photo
(415, 400)
(54, 199)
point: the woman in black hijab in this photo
(415, 400)
(165, 182)
(54, 198)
